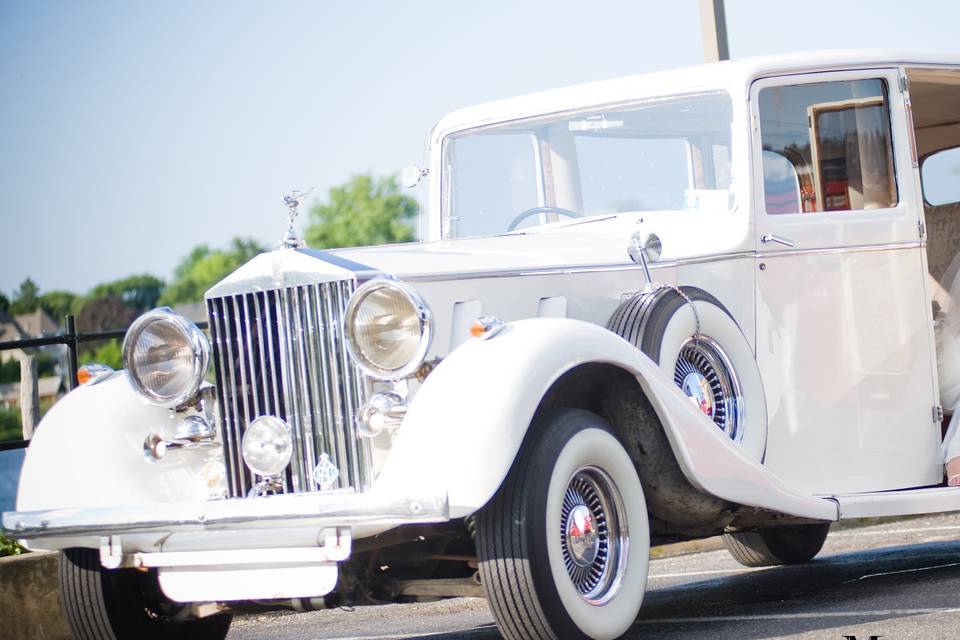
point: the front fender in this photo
(467, 422)
(88, 452)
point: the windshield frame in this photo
(445, 179)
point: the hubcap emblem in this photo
(696, 387)
(582, 538)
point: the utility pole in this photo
(713, 28)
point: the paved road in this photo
(897, 580)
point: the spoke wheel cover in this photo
(705, 375)
(593, 535)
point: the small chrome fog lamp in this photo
(267, 446)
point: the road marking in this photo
(890, 573)
(800, 616)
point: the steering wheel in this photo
(523, 215)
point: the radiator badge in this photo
(326, 473)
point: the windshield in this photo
(664, 155)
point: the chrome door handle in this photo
(772, 237)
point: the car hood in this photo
(598, 242)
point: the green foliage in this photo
(363, 211)
(105, 314)
(46, 366)
(138, 292)
(108, 353)
(58, 304)
(26, 298)
(4, 303)
(10, 427)
(9, 371)
(9, 547)
(204, 267)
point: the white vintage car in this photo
(709, 301)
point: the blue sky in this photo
(132, 131)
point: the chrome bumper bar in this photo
(344, 509)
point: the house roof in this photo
(37, 323)
(9, 329)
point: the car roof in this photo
(734, 76)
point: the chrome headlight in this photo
(388, 329)
(166, 357)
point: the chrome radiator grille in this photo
(282, 353)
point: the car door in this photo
(843, 318)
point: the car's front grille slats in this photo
(282, 353)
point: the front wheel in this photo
(564, 545)
(125, 603)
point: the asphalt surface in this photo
(896, 580)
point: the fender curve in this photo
(466, 423)
(88, 452)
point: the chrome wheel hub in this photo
(593, 534)
(707, 378)
(582, 537)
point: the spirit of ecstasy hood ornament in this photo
(292, 201)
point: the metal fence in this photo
(72, 340)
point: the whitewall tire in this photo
(564, 545)
(697, 343)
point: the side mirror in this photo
(644, 249)
(412, 175)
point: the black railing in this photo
(72, 340)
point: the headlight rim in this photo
(197, 340)
(424, 318)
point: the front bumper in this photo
(309, 510)
(276, 547)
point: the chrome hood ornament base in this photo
(292, 201)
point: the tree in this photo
(108, 353)
(105, 314)
(363, 211)
(4, 303)
(204, 267)
(139, 292)
(25, 299)
(58, 304)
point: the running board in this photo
(899, 503)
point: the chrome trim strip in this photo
(893, 246)
(313, 509)
(666, 264)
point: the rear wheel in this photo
(564, 545)
(771, 546)
(115, 605)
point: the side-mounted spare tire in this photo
(695, 341)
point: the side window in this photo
(827, 147)
(940, 174)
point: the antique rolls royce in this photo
(714, 301)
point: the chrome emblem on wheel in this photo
(582, 537)
(705, 375)
(594, 535)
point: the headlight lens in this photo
(166, 357)
(267, 446)
(388, 329)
